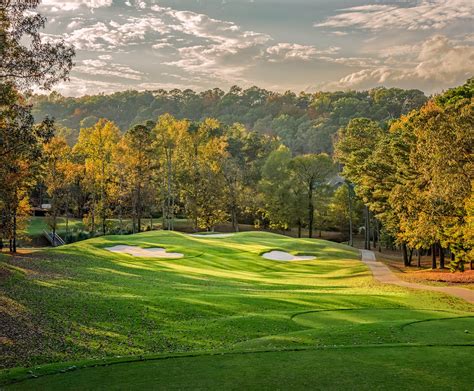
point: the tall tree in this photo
(96, 145)
(312, 172)
(58, 176)
(25, 61)
(21, 156)
(169, 134)
(135, 151)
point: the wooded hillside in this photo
(305, 123)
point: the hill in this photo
(304, 122)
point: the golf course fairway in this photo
(80, 317)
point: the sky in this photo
(298, 45)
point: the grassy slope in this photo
(82, 302)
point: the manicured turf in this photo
(322, 324)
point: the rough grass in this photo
(322, 318)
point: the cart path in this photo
(383, 274)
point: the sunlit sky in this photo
(299, 45)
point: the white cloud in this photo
(78, 86)
(193, 50)
(425, 15)
(112, 35)
(293, 51)
(434, 64)
(72, 5)
(101, 67)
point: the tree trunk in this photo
(433, 257)
(54, 229)
(374, 235)
(299, 228)
(310, 210)
(418, 262)
(367, 229)
(441, 256)
(377, 224)
(93, 219)
(168, 196)
(67, 217)
(14, 232)
(410, 256)
(405, 254)
(351, 241)
(233, 215)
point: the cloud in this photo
(293, 51)
(78, 86)
(437, 63)
(112, 35)
(425, 15)
(103, 68)
(72, 5)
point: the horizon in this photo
(302, 46)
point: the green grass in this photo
(38, 224)
(223, 317)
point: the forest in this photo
(305, 123)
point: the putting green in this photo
(224, 317)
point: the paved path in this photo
(383, 274)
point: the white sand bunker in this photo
(136, 251)
(211, 235)
(284, 256)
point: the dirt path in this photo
(383, 274)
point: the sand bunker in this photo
(284, 256)
(211, 235)
(136, 251)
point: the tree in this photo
(41, 64)
(169, 134)
(417, 177)
(96, 145)
(276, 185)
(26, 58)
(247, 152)
(21, 155)
(58, 176)
(345, 210)
(312, 171)
(135, 154)
(202, 179)
(355, 147)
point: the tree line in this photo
(304, 122)
(416, 177)
(205, 171)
